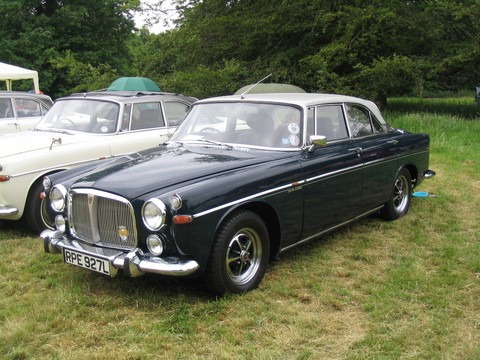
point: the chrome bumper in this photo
(429, 174)
(8, 211)
(133, 264)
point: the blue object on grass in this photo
(420, 194)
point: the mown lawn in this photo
(407, 289)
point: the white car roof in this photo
(300, 99)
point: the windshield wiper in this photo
(216, 143)
(53, 130)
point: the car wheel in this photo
(401, 197)
(239, 255)
(35, 214)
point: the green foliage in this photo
(375, 49)
(36, 34)
(204, 81)
(86, 76)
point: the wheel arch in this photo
(270, 218)
(33, 185)
(412, 169)
(38, 180)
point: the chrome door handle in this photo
(393, 142)
(358, 150)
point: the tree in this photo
(41, 33)
(375, 49)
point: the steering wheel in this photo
(209, 130)
(66, 121)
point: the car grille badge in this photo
(122, 232)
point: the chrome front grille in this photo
(101, 218)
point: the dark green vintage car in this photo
(244, 178)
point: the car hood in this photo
(163, 167)
(27, 141)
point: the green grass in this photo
(373, 290)
(465, 107)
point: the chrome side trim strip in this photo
(302, 182)
(61, 166)
(333, 173)
(263, 193)
(277, 189)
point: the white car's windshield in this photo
(90, 116)
(251, 124)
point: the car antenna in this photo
(251, 87)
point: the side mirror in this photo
(316, 141)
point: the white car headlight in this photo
(58, 197)
(47, 184)
(154, 214)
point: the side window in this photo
(377, 127)
(175, 112)
(359, 120)
(330, 122)
(27, 107)
(147, 116)
(6, 110)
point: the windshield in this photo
(90, 116)
(244, 123)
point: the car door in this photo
(144, 125)
(378, 148)
(333, 174)
(28, 112)
(8, 123)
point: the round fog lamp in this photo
(155, 245)
(60, 223)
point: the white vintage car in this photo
(77, 130)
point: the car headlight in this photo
(47, 183)
(154, 214)
(58, 197)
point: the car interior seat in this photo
(261, 132)
(148, 118)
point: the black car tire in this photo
(239, 255)
(34, 213)
(401, 197)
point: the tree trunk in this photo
(381, 100)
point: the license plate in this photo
(85, 261)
